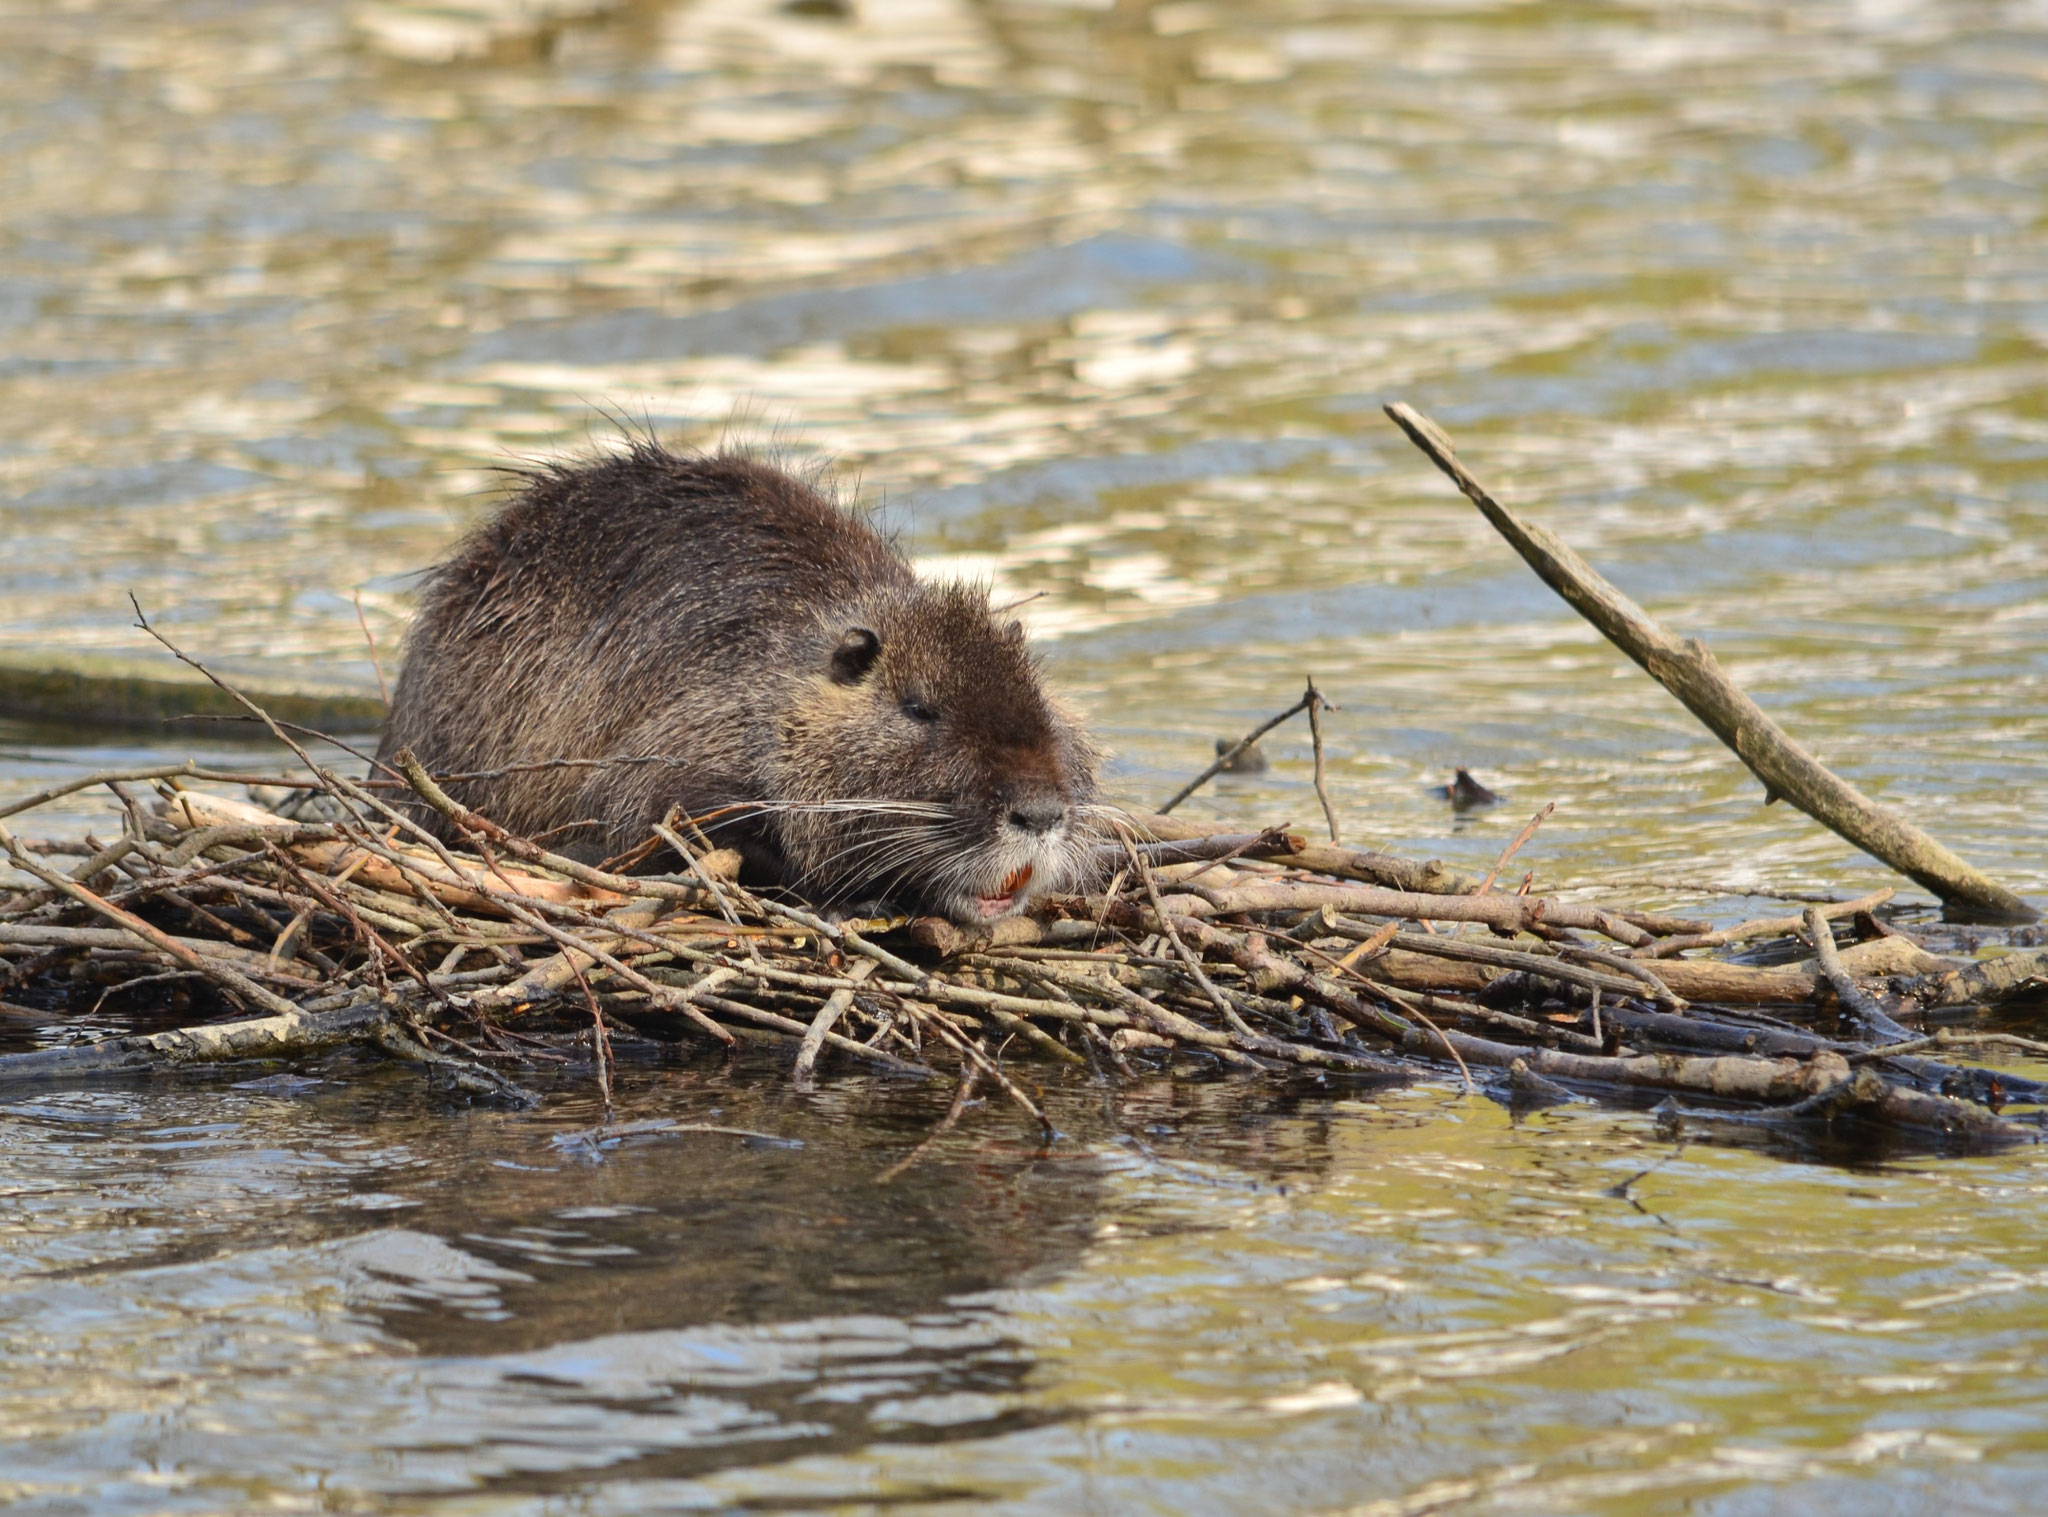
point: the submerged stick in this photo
(1778, 1082)
(1689, 671)
(970, 1076)
(835, 1007)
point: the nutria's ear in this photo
(856, 654)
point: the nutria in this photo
(860, 735)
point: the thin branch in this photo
(1316, 706)
(1509, 852)
(970, 1075)
(371, 643)
(1228, 755)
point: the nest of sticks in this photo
(290, 929)
(337, 920)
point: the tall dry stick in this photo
(1316, 706)
(1689, 671)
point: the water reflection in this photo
(276, 1294)
(555, 1309)
(512, 1308)
(1098, 301)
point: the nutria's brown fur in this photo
(718, 612)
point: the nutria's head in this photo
(921, 760)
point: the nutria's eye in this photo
(917, 710)
(858, 649)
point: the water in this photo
(1100, 302)
(224, 1299)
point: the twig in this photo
(1223, 759)
(1429, 877)
(797, 1029)
(1760, 927)
(1213, 848)
(1539, 1034)
(1949, 1037)
(1316, 706)
(689, 857)
(600, 1041)
(834, 1008)
(339, 904)
(1509, 912)
(1509, 852)
(1369, 946)
(189, 770)
(1497, 957)
(1657, 984)
(928, 1018)
(970, 1075)
(1194, 965)
(463, 818)
(154, 937)
(476, 824)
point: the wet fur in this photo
(691, 606)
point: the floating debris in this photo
(1250, 759)
(1467, 794)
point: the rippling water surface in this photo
(1099, 301)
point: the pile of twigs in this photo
(344, 922)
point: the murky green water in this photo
(1100, 301)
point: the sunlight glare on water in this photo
(1099, 302)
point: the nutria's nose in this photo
(1039, 815)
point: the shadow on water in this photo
(655, 1307)
(340, 1273)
